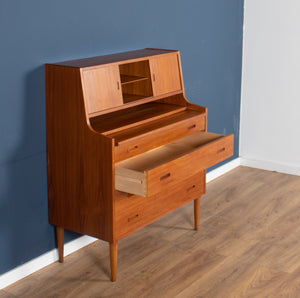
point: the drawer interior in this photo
(161, 155)
(149, 173)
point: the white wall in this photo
(270, 106)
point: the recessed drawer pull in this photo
(192, 187)
(165, 176)
(192, 126)
(221, 150)
(132, 217)
(132, 148)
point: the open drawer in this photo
(150, 172)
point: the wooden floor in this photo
(248, 246)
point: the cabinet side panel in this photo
(80, 171)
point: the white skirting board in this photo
(42, 261)
(50, 257)
(222, 169)
(270, 166)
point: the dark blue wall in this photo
(207, 32)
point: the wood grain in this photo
(60, 243)
(132, 117)
(113, 260)
(192, 144)
(136, 80)
(247, 246)
(101, 87)
(173, 162)
(4, 294)
(187, 120)
(197, 213)
(80, 161)
(134, 212)
(115, 58)
(166, 75)
(97, 108)
(142, 138)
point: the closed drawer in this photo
(137, 140)
(150, 172)
(133, 212)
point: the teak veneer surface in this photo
(166, 76)
(127, 134)
(105, 59)
(151, 172)
(144, 137)
(134, 212)
(127, 79)
(102, 111)
(74, 158)
(130, 117)
(109, 88)
(169, 152)
(247, 246)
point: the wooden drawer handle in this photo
(192, 187)
(221, 150)
(192, 126)
(132, 217)
(165, 176)
(132, 148)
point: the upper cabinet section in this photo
(114, 81)
(165, 74)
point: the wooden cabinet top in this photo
(114, 58)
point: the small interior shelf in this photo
(127, 79)
(135, 81)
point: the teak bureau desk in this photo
(125, 147)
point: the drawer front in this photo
(140, 144)
(169, 164)
(170, 173)
(133, 212)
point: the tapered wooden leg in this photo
(60, 243)
(197, 213)
(113, 260)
